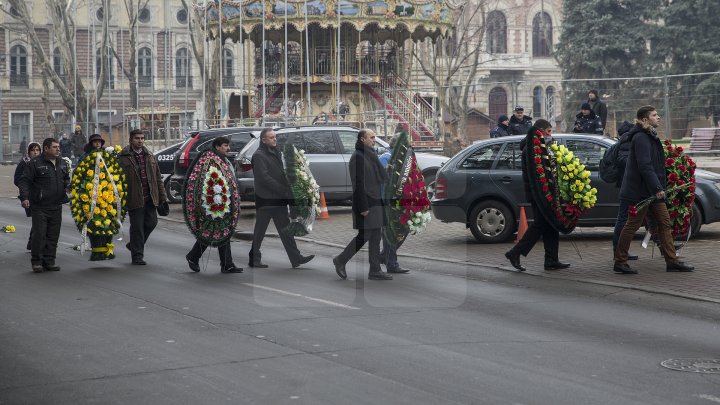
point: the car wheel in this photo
(430, 184)
(492, 222)
(172, 190)
(696, 220)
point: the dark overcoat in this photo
(272, 188)
(367, 176)
(645, 168)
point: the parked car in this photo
(166, 161)
(328, 149)
(198, 142)
(482, 187)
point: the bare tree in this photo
(132, 8)
(71, 88)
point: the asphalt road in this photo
(109, 332)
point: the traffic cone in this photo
(522, 226)
(323, 208)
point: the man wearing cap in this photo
(502, 128)
(520, 123)
(598, 106)
(587, 122)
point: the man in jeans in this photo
(145, 191)
(43, 187)
(644, 178)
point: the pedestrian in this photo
(43, 189)
(644, 178)
(65, 146)
(145, 192)
(540, 227)
(33, 151)
(587, 122)
(520, 123)
(94, 144)
(625, 136)
(598, 106)
(367, 176)
(221, 147)
(272, 196)
(22, 149)
(388, 254)
(502, 128)
(78, 143)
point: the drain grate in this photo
(693, 365)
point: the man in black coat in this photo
(644, 178)
(540, 226)
(367, 176)
(520, 123)
(502, 128)
(43, 187)
(587, 122)
(272, 196)
(598, 106)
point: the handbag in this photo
(163, 209)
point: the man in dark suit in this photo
(367, 176)
(272, 196)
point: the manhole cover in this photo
(693, 365)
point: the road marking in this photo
(709, 398)
(305, 297)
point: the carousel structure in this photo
(333, 60)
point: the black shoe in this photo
(339, 268)
(556, 265)
(623, 269)
(632, 257)
(379, 275)
(514, 260)
(232, 269)
(36, 268)
(51, 267)
(258, 265)
(194, 266)
(679, 267)
(139, 262)
(398, 270)
(303, 260)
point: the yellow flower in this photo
(586, 174)
(103, 213)
(110, 169)
(97, 210)
(97, 223)
(84, 197)
(565, 177)
(116, 177)
(102, 175)
(90, 173)
(86, 208)
(89, 186)
(106, 222)
(103, 204)
(101, 165)
(104, 183)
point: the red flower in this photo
(668, 142)
(543, 179)
(682, 168)
(537, 150)
(538, 160)
(672, 177)
(403, 219)
(670, 148)
(224, 198)
(676, 202)
(540, 170)
(632, 211)
(214, 175)
(210, 183)
(549, 198)
(679, 148)
(209, 199)
(536, 141)
(669, 162)
(221, 182)
(545, 188)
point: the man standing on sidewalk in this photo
(272, 195)
(43, 188)
(644, 178)
(367, 175)
(145, 192)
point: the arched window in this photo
(144, 67)
(497, 102)
(228, 78)
(58, 66)
(537, 102)
(109, 74)
(550, 103)
(182, 69)
(496, 32)
(18, 66)
(542, 35)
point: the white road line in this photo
(305, 297)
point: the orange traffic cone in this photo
(323, 208)
(522, 226)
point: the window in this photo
(182, 69)
(482, 158)
(109, 74)
(348, 140)
(100, 14)
(19, 126)
(58, 66)
(228, 78)
(496, 32)
(283, 138)
(18, 66)
(182, 16)
(542, 35)
(14, 12)
(537, 102)
(105, 119)
(62, 122)
(145, 67)
(144, 16)
(498, 102)
(510, 158)
(550, 103)
(589, 153)
(238, 141)
(321, 142)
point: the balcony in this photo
(183, 82)
(18, 80)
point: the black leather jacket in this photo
(44, 183)
(271, 184)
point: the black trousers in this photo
(540, 228)
(45, 233)
(224, 251)
(142, 222)
(364, 235)
(281, 219)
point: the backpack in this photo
(612, 164)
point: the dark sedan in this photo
(482, 187)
